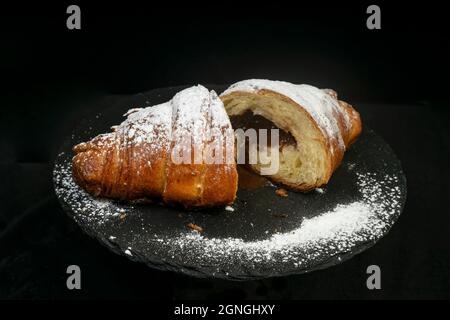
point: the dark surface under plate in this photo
(147, 233)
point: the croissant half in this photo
(322, 127)
(143, 156)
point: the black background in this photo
(50, 75)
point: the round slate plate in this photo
(266, 235)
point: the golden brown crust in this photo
(110, 169)
(109, 172)
(356, 124)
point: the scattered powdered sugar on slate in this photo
(85, 206)
(331, 233)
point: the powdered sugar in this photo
(201, 125)
(190, 109)
(229, 208)
(185, 116)
(147, 125)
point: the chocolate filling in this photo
(249, 120)
(250, 180)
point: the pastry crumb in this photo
(229, 208)
(281, 192)
(194, 227)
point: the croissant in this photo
(181, 152)
(315, 128)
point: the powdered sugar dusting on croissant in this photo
(183, 116)
(190, 108)
(219, 118)
(320, 104)
(145, 125)
(221, 130)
